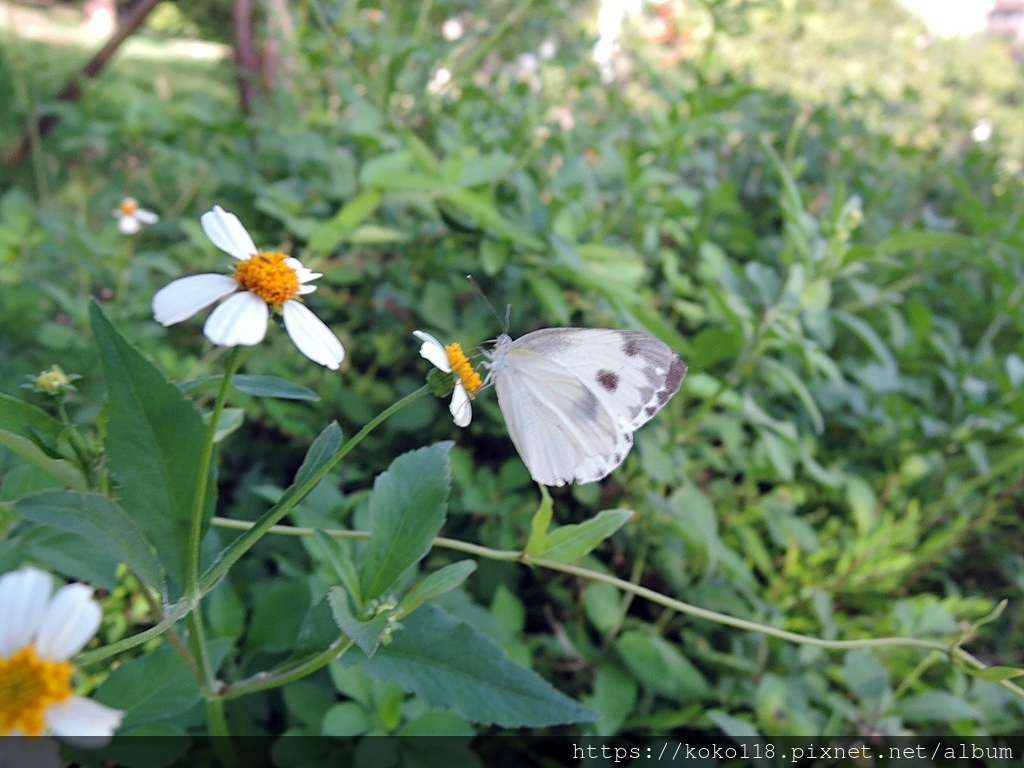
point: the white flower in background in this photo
(440, 80)
(131, 218)
(452, 359)
(261, 282)
(452, 29)
(39, 632)
(982, 130)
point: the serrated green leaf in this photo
(447, 663)
(102, 523)
(408, 508)
(366, 634)
(437, 583)
(571, 542)
(537, 542)
(271, 386)
(154, 442)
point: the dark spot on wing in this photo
(632, 346)
(675, 376)
(609, 380)
(650, 410)
(617, 458)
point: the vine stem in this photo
(953, 651)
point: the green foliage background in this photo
(787, 193)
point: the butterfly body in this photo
(572, 397)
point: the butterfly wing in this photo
(631, 372)
(559, 427)
(572, 397)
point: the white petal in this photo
(70, 622)
(227, 233)
(84, 718)
(241, 320)
(184, 297)
(461, 407)
(433, 350)
(314, 339)
(304, 289)
(24, 596)
(146, 217)
(128, 224)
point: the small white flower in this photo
(449, 359)
(268, 281)
(131, 218)
(452, 29)
(39, 632)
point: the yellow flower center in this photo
(53, 380)
(460, 364)
(269, 277)
(28, 685)
(128, 206)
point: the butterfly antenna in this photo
(508, 309)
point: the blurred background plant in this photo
(795, 194)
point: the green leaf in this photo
(408, 508)
(537, 542)
(100, 522)
(440, 581)
(322, 450)
(154, 441)
(661, 667)
(447, 663)
(258, 386)
(483, 169)
(331, 233)
(27, 420)
(371, 234)
(798, 388)
(993, 674)
(480, 208)
(272, 386)
(936, 705)
(366, 634)
(61, 470)
(156, 686)
(571, 542)
(346, 719)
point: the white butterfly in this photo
(572, 397)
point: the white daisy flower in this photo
(131, 218)
(268, 281)
(452, 359)
(39, 632)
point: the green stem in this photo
(654, 597)
(173, 615)
(195, 533)
(285, 675)
(215, 719)
(255, 531)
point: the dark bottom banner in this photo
(697, 751)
